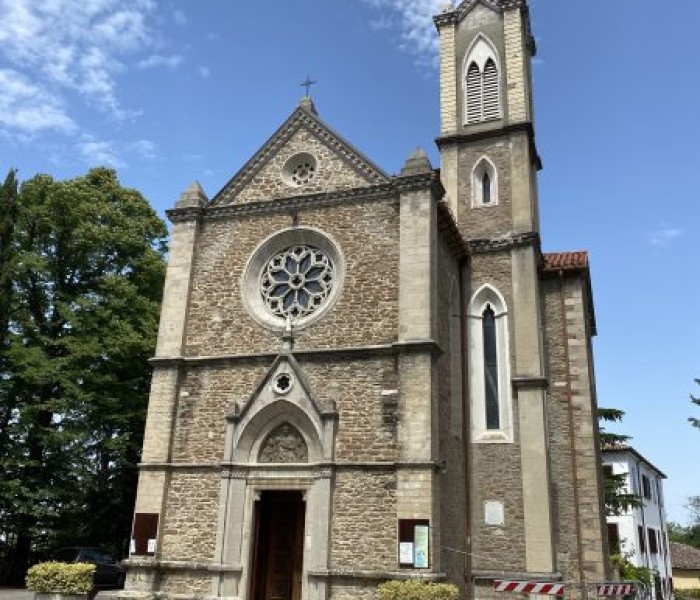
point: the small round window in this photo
(299, 170)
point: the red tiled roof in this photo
(565, 260)
(684, 557)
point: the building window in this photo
(489, 367)
(646, 487)
(613, 538)
(481, 82)
(493, 419)
(642, 542)
(484, 183)
(653, 546)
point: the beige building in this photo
(362, 377)
(685, 562)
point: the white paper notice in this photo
(406, 553)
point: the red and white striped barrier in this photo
(615, 589)
(529, 587)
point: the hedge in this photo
(62, 578)
(413, 589)
(687, 594)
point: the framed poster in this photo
(420, 550)
(414, 543)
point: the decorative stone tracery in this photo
(284, 445)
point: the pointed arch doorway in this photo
(278, 546)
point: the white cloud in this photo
(412, 20)
(159, 60)
(179, 17)
(665, 235)
(144, 148)
(98, 152)
(79, 46)
(204, 72)
(29, 108)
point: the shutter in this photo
(473, 94)
(490, 110)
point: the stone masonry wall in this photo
(485, 221)
(363, 534)
(450, 414)
(366, 310)
(367, 422)
(573, 433)
(332, 173)
(189, 524)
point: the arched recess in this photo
(484, 183)
(481, 79)
(489, 367)
(266, 421)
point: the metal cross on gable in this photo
(307, 84)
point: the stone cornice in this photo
(458, 14)
(530, 382)
(504, 242)
(374, 349)
(372, 193)
(312, 470)
(420, 181)
(514, 128)
(376, 575)
(179, 215)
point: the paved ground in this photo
(19, 594)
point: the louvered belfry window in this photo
(473, 94)
(482, 92)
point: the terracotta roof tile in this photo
(684, 557)
(565, 260)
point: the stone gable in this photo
(304, 157)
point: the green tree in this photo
(695, 400)
(87, 278)
(617, 500)
(688, 534)
(8, 214)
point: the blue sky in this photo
(172, 91)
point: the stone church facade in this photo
(362, 377)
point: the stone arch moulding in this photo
(484, 166)
(479, 51)
(488, 296)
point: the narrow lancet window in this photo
(486, 189)
(493, 420)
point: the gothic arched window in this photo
(484, 183)
(481, 80)
(489, 367)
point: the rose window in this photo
(303, 172)
(297, 281)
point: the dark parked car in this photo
(108, 572)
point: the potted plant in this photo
(61, 581)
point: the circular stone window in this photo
(294, 275)
(299, 170)
(282, 383)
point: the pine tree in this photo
(617, 500)
(695, 400)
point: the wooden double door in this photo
(278, 546)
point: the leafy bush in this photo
(413, 589)
(690, 594)
(63, 578)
